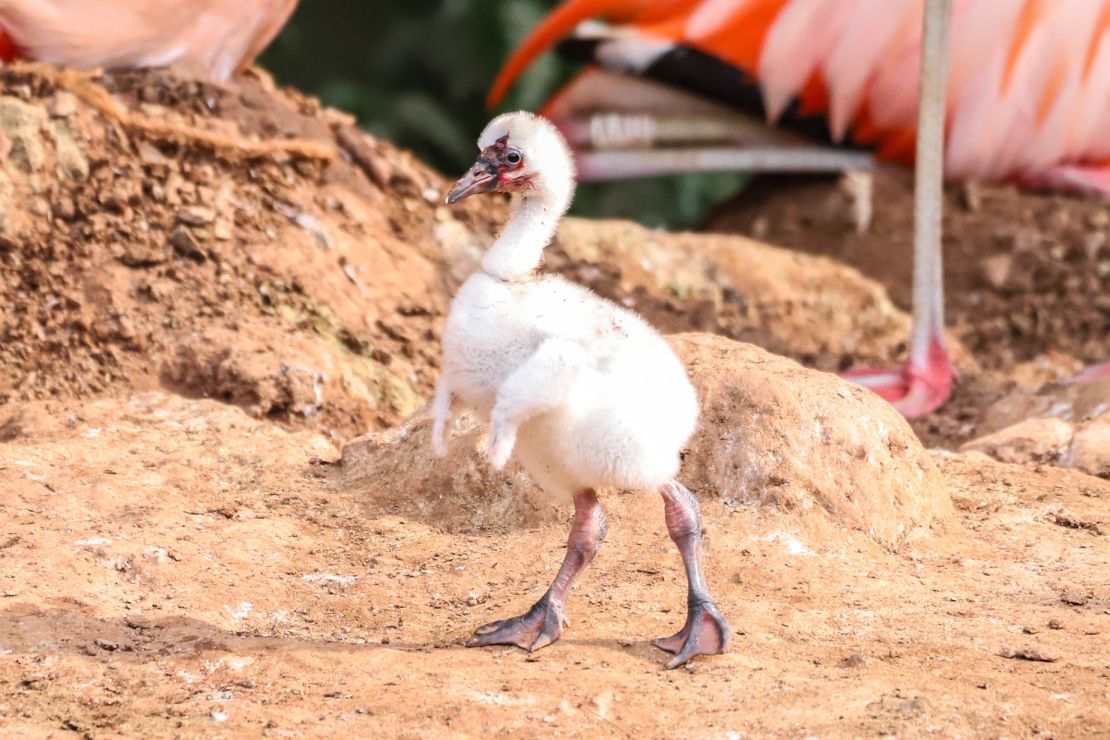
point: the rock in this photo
(183, 241)
(62, 105)
(995, 270)
(141, 254)
(1036, 654)
(196, 216)
(1073, 598)
(1090, 448)
(138, 621)
(855, 660)
(1029, 441)
(1072, 402)
(67, 151)
(1066, 424)
(781, 436)
(772, 434)
(22, 123)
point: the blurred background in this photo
(416, 72)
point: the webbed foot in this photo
(538, 627)
(705, 633)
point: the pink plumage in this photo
(219, 37)
(1028, 93)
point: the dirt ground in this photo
(1027, 274)
(206, 292)
(173, 567)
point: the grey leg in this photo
(706, 632)
(543, 623)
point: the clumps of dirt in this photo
(237, 242)
(1064, 424)
(1027, 273)
(810, 309)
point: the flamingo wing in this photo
(1028, 89)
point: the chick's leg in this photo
(705, 632)
(543, 623)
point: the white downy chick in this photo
(585, 392)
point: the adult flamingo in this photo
(1025, 101)
(219, 37)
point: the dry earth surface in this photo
(206, 296)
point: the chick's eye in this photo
(513, 158)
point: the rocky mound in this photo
(245, 244)
(237, 243)
(773, 436)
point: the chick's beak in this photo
(481, 178)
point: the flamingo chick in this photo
(585, 392)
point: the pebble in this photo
(855, 660)
(1035, 654)
(137, 622)
(196, 216)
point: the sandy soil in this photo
(207, 292)
(173, 567)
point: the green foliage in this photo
(416, 72)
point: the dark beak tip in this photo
(454, 195)
(477, 180)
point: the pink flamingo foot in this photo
(917, 389)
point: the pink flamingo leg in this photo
(925, 383)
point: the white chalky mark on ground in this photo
(500, 700)
(792, 544)
(242, 611)
(237, 663)
(330, 578)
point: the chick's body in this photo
(585, 393)
(621, 406)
